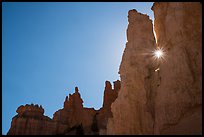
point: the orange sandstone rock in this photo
(168, 101)
(72, 119)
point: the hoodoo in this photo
(159, 93)
(72, 119)
(169, 100)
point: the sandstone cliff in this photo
(168, 101)
(178, 102)
(130, 110)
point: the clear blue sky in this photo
(48, 47)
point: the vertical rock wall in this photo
(168, 101)
(130, 110)
(179, 97)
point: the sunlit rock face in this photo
(168, 101)
(178, 103)
(131, 113)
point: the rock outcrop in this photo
(155, 95)
(31, 121)
(169, 100)
(74, 114)
(105, 112)
(130, 109)
(178, 104)
(72, 119)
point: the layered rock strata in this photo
(31, 121)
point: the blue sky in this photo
(47, 47)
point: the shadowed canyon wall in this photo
(168, 101)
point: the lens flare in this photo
(158, 53)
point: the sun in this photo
(158, 56)
(158, 53)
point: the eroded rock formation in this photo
(162, 96)
(105, 112)
(168, 101)
(130, 109)
(72, 119)
(178, 102)
(74, 114)
(31, 121)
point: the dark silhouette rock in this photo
(94, 126)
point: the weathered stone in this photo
(72, 119)
(178, 104)
(105, 112)
(130, 111)
(162, 96)
(168, 101)
(31, 121)
(74, 114)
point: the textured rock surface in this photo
(178, 102)
(72, 119)
(74, 114)
(130, 110)
(168, 101)
(31, 121)
(105, 112)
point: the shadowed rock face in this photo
(168, 101)
(31, 121)
(105, 112)
(72, 119)
(74, 114)
(110, 94)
